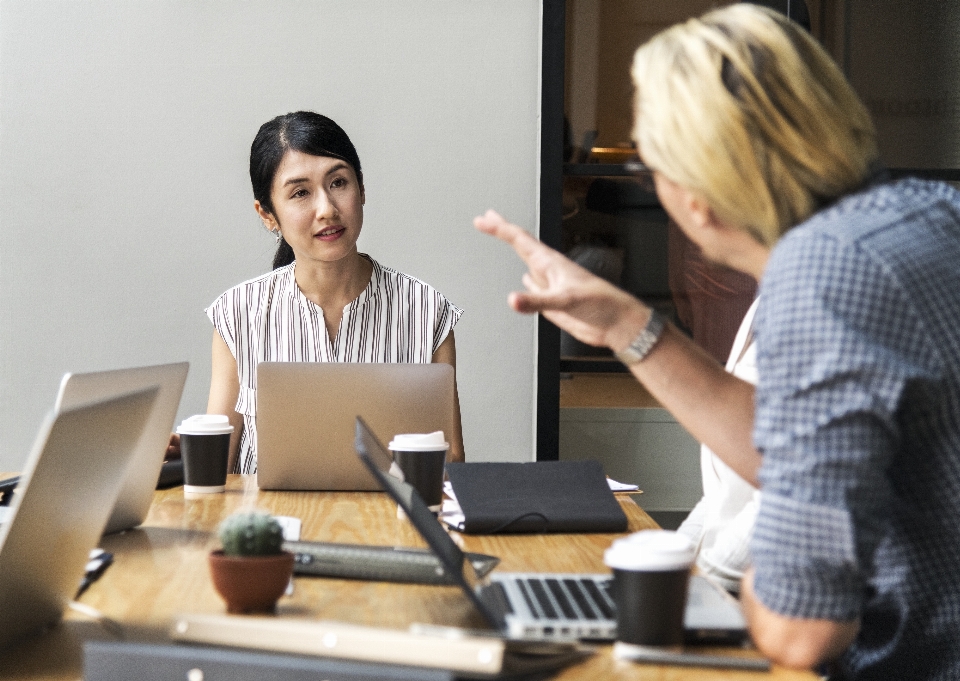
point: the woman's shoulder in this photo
(387, 278)
(387, 283)
(257, 287)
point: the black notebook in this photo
(546, 496)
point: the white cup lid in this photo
(419, 442)
(650, 551)
(205, 424)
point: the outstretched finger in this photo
(528, 302)
(523, 243)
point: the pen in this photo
(653, 656)
(7, 487)
(99, 561)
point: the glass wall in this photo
(611, 225)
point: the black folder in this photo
(546, 496)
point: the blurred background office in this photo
(901, 56)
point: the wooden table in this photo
(160, 570)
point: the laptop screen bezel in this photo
(379, 461)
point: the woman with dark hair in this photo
(324, 301)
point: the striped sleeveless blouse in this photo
(267, 319)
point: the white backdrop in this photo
(125, 128)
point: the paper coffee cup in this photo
(651, 570)
(421, 458)
(205, 448)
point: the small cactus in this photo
(251, 534)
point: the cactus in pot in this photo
(251, 534)
(252, 571)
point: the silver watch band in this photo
(644, 342)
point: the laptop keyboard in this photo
(588, 598)
(564, 606)
(588, 610)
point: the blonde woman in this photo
(765, 157)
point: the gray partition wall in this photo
(125, 128)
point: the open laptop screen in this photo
(304, 427)
(379, 461)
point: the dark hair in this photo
(303, 131)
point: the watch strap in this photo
(644, 342)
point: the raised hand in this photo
(587, 307)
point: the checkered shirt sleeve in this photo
(840, 343)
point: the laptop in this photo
(542, 606)
(141, 478)
(68, 487)
(306, 412)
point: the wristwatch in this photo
(644, 342)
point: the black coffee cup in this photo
(651, 570)
(421, 459)
(205, 448)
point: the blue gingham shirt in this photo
(858, 420)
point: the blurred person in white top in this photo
(722, 521)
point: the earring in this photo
(279, 236)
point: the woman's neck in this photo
(333, 285)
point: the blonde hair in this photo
(745, 108)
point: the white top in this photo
(268, 319)
(722, 521)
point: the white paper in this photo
(290, 527)
(450, 511)
(448, 489)
(291, 532)
(621, 486)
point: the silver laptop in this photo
(141, 478)
(306, 413)
(542, 606)
(68, 487)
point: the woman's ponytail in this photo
(284, 255)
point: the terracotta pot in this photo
(251, 583)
